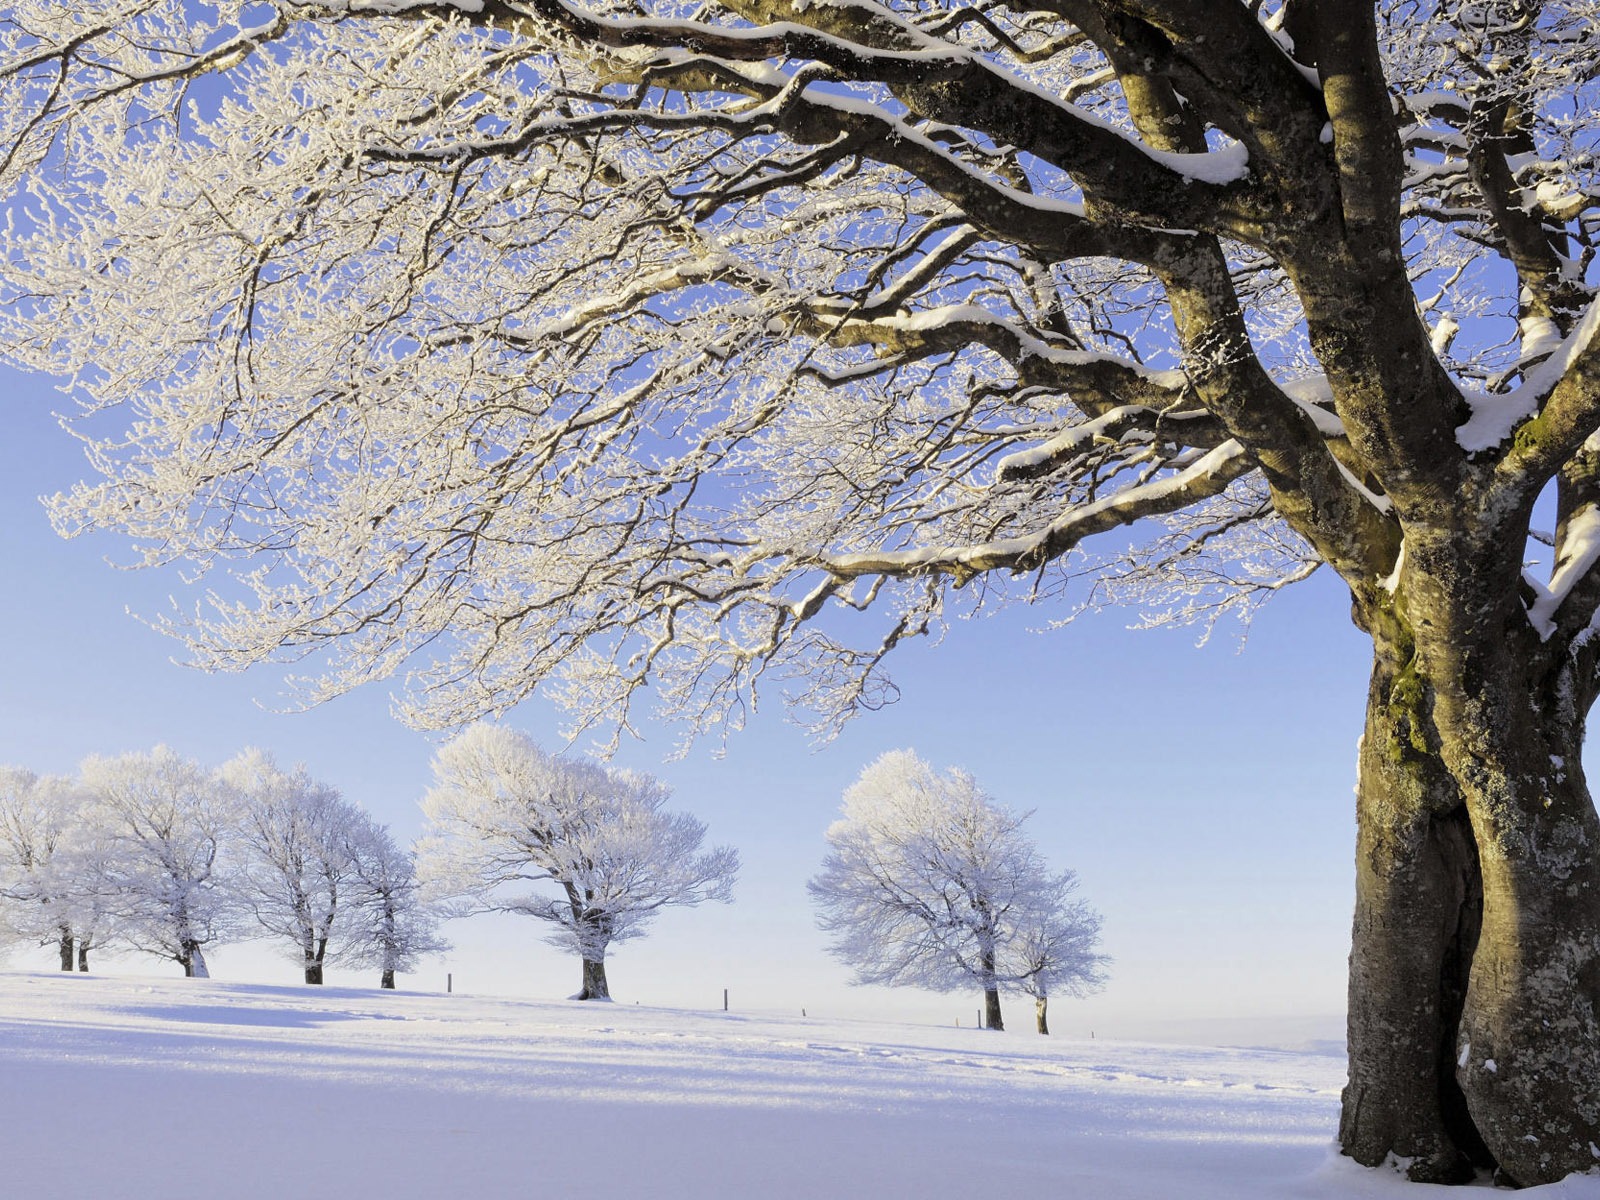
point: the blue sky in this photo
(1203, 795)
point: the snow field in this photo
(167, 1089)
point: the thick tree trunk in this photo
(1040, 1005)
(194, 961)
(1418, 904)
(991, 1009)
(1528, 1051)
(66, 949)
(1475, 966)
(314, 972)
(387, 979)
(594, 981)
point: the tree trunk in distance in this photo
(991, 1009)
(194, 962)
(66, 949)
(83, 955)
(1040, 1005)
(594, 981)
(387, 979)
(1418, 905)
(314, 972)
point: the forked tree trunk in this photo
(1474, 1023)
(1528, 1051)
(1040, 1005)
(594, 981)
(66, 949)
(1418, 906)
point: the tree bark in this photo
(1528, 1050)
(83, 955)
(1418, 906)
(1040, 1005)
(66, 949)
(314, 972)
(194, 961)
(594, 981)
(1474, 1024)
(387, 979)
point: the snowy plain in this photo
(146, 1088)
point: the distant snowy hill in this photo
(167, 1089)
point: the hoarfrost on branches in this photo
(503, 814)
(166, 873)
(296, 862)
(392, 926)
(930, 883)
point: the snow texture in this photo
(409, 1096)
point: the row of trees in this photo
(929, 882)
(153, 852)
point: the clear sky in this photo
(1203, 795)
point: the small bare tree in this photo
(929, 882)
(503, 813)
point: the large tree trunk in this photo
(387, 979)
(1528, 1051)
(313, 972)
(194, 961)
(594, 981)
(66, 948)
(1474, 1023)
(1418, 905)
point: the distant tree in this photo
(1051, 951)
(296, 856)
(929, 882)
(163, 873)
(46, 856)
(391, 926)
(503, 813)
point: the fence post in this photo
(724, 999)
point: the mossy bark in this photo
(1474, 1021)
(1417, 916)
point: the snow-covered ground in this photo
(135, 1088)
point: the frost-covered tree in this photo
(47, 865)
(928, 882)
(605, 343)
(296, 860)
(503, 814)
(391, 925)
(164, 874)
(1052, 949)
